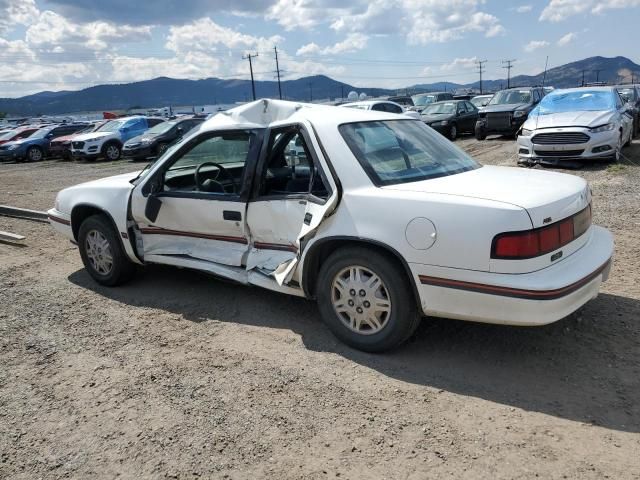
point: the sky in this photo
(72, 44)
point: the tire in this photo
(162, 147)
(635, 127)
(34, 154)
(453, 132)
(628, 142)
(615, 158)
(481, 133)
(94, 232)
(395, 323)
(111, 151)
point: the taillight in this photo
(540, 241)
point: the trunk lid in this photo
(546, 196)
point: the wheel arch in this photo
(82, 211)
(320, 250)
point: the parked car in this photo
(480, 101)
(507, 111)
(61, 147)
(17, 134)
(155, 141)
(404, 100)
(421, 100)
(107, 142)
(576, 124)
(381, 106)
(451, 117)
(386, 221)
(35, 147)
(631, 95)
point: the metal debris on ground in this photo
(23, 213)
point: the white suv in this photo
(107, 141)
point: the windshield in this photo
(440, 109)
(627, 93)
(511, 97)
(422, 100)
(111, 126)
(8, 135)
(402, 151)
(576, 101)
(161, 128)
(40, 133)
(480, 101)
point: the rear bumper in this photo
(535, 298)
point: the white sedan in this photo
(381, 221)
(382, 106)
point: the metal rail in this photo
(24, 213)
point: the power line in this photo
(509, 66)
(480, 64)
(253, 84)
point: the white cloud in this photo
(464, 63)
(535, 45)
(524, 8)
(353, 43)
(16, 12)
(567, 39)
(559, 10)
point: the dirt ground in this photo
(178, 375)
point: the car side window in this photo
(212, 165)
(536, 96)
(152, 122)
(462, 108)
(290, 169)
(379, 107)
(394, 108)
(470, 106)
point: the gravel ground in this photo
(180, 375)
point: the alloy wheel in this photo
(35, 155)
(112, 152)
(99, 252)
(361, 300)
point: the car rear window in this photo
(403, 151)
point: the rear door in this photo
(292, 194)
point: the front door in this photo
(193, 205)
(290, 197)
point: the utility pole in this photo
(544, 77)
(341, 92)
(253, 84)
(598, 74)
(275, 49)
(583, 78)
(508, 65)
(480, 70)
(310, 92)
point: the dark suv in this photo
(631, 95)
(507, 111)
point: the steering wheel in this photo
(200, 186)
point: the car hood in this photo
(435, 118)
(510, 107)
(543, 195)
(91, 136)
(569, 119)
(145, 137)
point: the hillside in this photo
(165, 91)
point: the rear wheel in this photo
(34, 154)
(102, 253)
(366, 300)
(481, 133)
(616, 153)
(111, 151)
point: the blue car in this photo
(35, 147)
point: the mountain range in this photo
(163, 91)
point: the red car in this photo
(61, 146)
(17, 134)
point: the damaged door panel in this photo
(290, 198)
(199, 202)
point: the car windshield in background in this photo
(511, 97)
(440, 109)
(627, 94)
(361, 106)
(402, 151)
(577, 101)
(161, 128)
(111, 126)
(40, 133)
(8, 135)
(424, 100)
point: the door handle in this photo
(231, 215)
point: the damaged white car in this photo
(378, 218)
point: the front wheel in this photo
(35, 154)
(366, 300)
(481, 133)
(102, 252)
(453, 132)
(111, 151)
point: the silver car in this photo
(576, 124)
